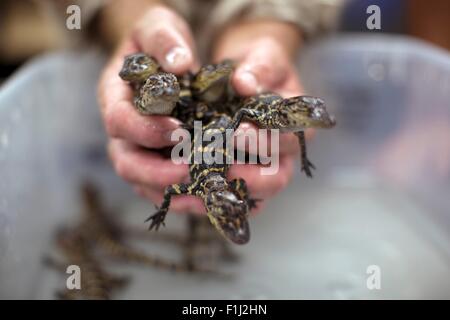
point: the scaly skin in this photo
(227, 203)
(293, 114)
(138, 67)
(212, 82)
(106, 234)
(156, 92)
(159, 94)
(96, 283)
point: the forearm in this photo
(238, 34)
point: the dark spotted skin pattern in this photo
(138, 67)
(96, 282)
(159, 94)
(109, 238)
(293, 114)
(155, 91)
(104, 232)
(96, 237)
(208, 96)
(209, 180)
(227, 202)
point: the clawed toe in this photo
(157, 220)
(307, 166)
(252, 203)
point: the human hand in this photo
(147, 170)
(264, 52)
(164, 35)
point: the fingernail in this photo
(249, 79)
(177, 56)
(175, 135)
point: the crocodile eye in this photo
(317, 113)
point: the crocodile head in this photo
(138, 67)
(211, 82)
(228, 214)
(159, 94)
(298, 113)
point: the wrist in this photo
(240, 36)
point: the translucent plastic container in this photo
(380, 195)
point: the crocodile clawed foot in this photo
(252, 203)
(156, 219)
(307, 166)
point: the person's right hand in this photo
(163, 34)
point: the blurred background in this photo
(380, 196)
(31, 27)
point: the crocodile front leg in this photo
(240, 186)
(306, 165)
(247, 113)
(269, 120)
(158, 218)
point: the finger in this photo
(263, 68)
(264, 186)
(120, 117)
(112, 88)
(180, 204)
(165, 35)
(124, 122)
(140, 166)
(249, 138)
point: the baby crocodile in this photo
(227, 203)
(95, 282)
(162, 93)
(156, 92)
(293, 114)
(268, 110)
(208, 96)
(105, 233)
(212, 82)
(138, 67)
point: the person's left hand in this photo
(264, 52)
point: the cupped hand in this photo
(265, 63)
(265, 52)
(164, 35)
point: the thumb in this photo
(164, 35)
(263, 68)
